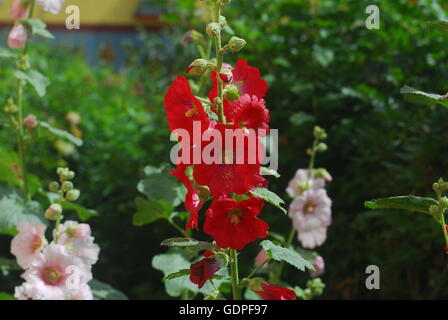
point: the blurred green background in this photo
(323, 68)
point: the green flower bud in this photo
(198, 67)
(54, 186)
(444, 202)
(321, 147)
(434, 211)
(73, 195)
(54, 212)
(67, 186)
(213, 29)
(231, 93)
(65, 173)
(197, 37)
(217, 101)
(236, 44)
(319, 133)
(222, 21)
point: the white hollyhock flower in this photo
(302, 181)
(311, 215)
(52, 6)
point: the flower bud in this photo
(65, 173)
(54, 187)
(444, 202)
(19, 10)
(222, 21)
(197, 37)
(231, 93)
(10, 107)
(321, 147)
(236, 44)
(213, 29)
(319, 133)
(30, 121)
(217, 101)
(67, 186)
(198, 67)
(434, 211)
(18, 37)
(73, 195)
(53, 212)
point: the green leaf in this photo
(38, 28)
(13, 209)
(438, 25)
(34, 78)
(159, 184)
(189, 243)
(61, 133)
(149, 211)
(83, 213)
(6, 296)
(410, 203)
(181, 273)
(7, 53)
(269, 197)
(416, 96)
(104, 291)
(283, 254)
(269, 172)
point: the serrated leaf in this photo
(181, 273)
(38, 28)
(159, 184)
(410, 203)
(438, 25)
(84, 214)
(269, 197)
(61, 133)
(416, 96)
(34, 78)
(149, 211)
(104, 291)
(284, 254)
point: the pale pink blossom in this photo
(319, 267)
(28, 242)
(52, 6)
(18, 37)
(19, 10)
(260, 258)
(30, 121)
(50, 274)
(303, 181)
(83, 293)
(311, 215)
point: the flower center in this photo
(52, 276)
(235, 215)
(192, 112)
(37, 243)
(309, 207)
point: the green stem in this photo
(219, 63)
(177, 227)
(445, 233)
(258, 268)
(288, 243)
(236, 290)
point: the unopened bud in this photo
(54, 187)
(65, 173)
(198, 67)
(222, 21)
(236, 44)
(73, 195)
(30, 121)
(213, 29)
(217, 101)
(231, 93)
(67, 186)
(434, 210)
(197, 37)
(444, 202)
(321, 147)
(53, 212)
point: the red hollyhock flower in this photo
(182, 108)
(246, 78)
(193, 202)
(204, 270)
(235, 224)
(249, 112)
(271, 291)
(227, 173)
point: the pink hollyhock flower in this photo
(18, 37)
(49, 274)
(19, 10)
(52, 6)
(78, 240)
(311, 216)
(260, 258)
(28, 242)
(83, 293)
(271, 291)
(302, 181)
(30, 121)
(319, 266)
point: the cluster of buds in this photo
(315, 288)
(320, 134)
(66, 190)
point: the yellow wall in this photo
(92, 12)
